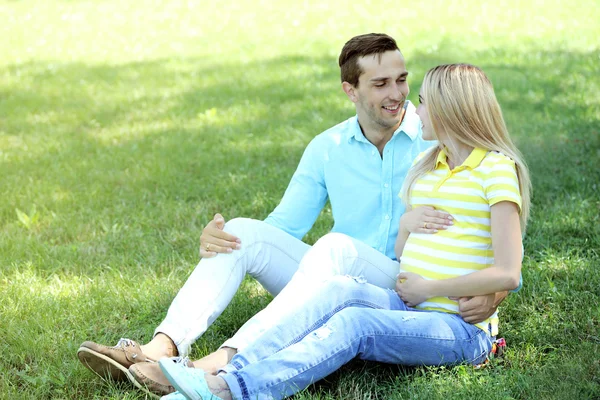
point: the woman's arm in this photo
(503, 275)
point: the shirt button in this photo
(386, 185)
(381, 249)
(387, 216)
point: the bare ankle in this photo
(215, 361)
(218, 386)
(160, 346)
(170, 346)
(230, 351)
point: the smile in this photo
(392, 109)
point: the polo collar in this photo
(411, 125)
(475, 158)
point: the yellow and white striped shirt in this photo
(467, 192)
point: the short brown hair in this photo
(361, 46)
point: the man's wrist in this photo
(500, 296)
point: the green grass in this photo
(125, 125)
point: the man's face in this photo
(382, 90)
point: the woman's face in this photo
(427, 128)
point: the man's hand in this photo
(479, 308)
(425, 219)
(214, 240)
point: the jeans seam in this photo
(185, 335)
(243, 387)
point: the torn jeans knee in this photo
(323, 332)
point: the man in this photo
(359, 165)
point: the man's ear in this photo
(350, 91)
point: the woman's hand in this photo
(412, 288)
(425, 219)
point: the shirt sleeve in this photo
(306, 194)
(502, 183)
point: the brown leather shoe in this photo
(150, 378)
(114, 361)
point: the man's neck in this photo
(379, 136)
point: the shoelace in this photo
(180, 360)
(123, 342)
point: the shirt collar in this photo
(411, 125)
(355, 131)
(473, 161)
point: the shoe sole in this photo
(144, 388)
(105, 367)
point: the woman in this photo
(477, 175)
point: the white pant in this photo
(273, 258)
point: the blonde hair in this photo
(460, 101)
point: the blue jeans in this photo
(343, 320)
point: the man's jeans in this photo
(272, 257)
(344, 319)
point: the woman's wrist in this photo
(432, 288)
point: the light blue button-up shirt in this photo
(341, 165)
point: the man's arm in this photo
(479, 308)
(296, 213)
(306, 194)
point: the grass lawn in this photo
(124, 126)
